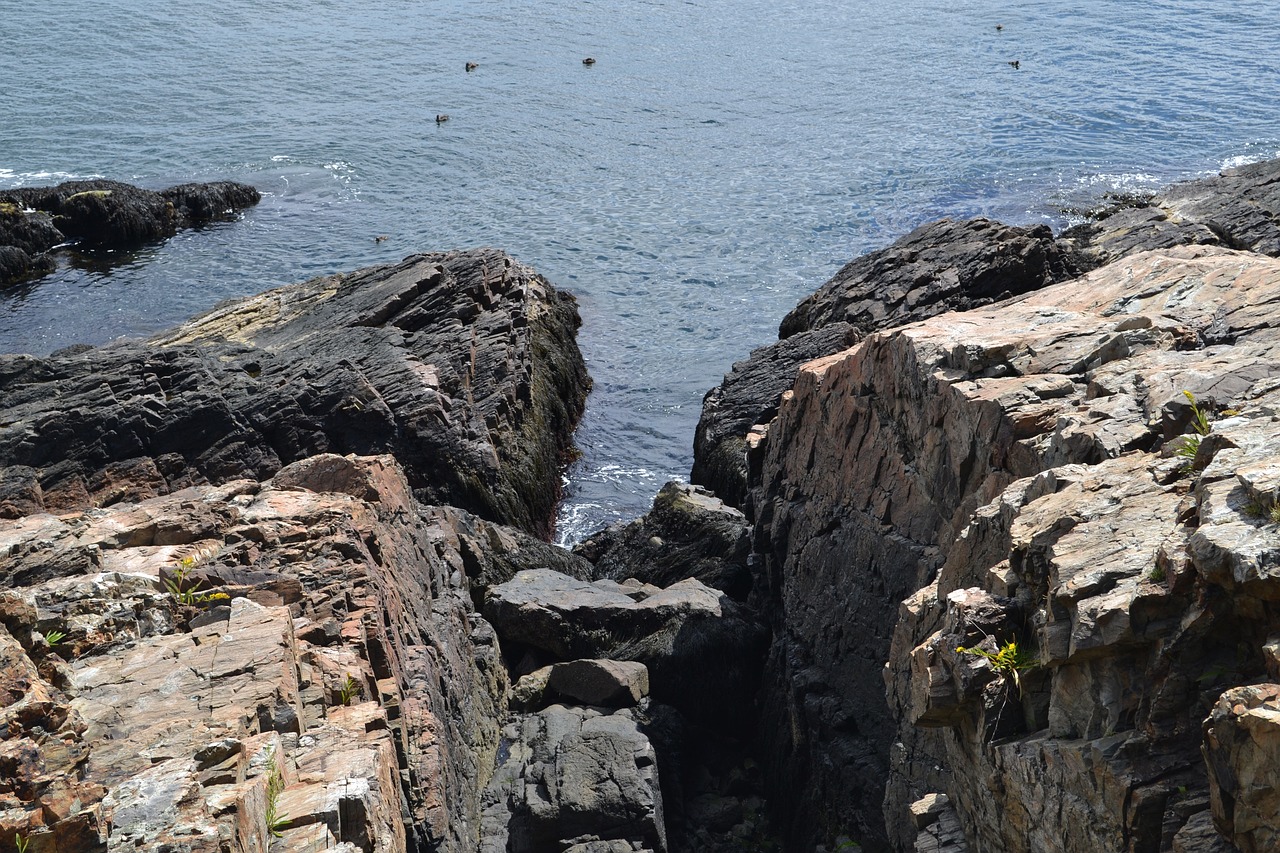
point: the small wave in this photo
(1245, 159)
(1118, 181)
(13, 179)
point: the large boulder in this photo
(673, 631)
(689, 533)
(575, 779)
(463, 364)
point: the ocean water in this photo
(718, 161)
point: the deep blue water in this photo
(719, 161)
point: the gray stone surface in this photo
(615, 684)
(673, 631)
(569, 777)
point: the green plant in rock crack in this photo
(350, 689)
(54, 637)
(20, 843)
(192, 595)
(1200, 426)
(276, 820)
(1009, 662)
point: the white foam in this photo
(1245, 159)
(18, 179)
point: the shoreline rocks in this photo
(901, 469)
(463, 364)
(1004, 575)
(103, 214)
(948, 266)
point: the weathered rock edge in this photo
(464, 365)
(323, 634)
(1009, 473)
(105, 215)
(953, 266)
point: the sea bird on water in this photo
(472, 66)
(1015, 63)
(441, 118)
(589, 61)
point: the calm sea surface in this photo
(719, 161)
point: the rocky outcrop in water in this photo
(462, 364)
(948, 266)
(103, 214)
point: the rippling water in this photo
(719, 161)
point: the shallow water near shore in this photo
(717, 162)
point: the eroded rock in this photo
(1017, 466)
(463, 365)
(689, 533)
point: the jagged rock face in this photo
(1242, 739)
(749, 395)
(463, 365)
(1239, 209)
(1014, 465)
(314, 623)
(689, 533)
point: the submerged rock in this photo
(104, 214)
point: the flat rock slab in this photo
(612, 683)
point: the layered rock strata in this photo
(463, 365)
(1013, 474)
(104, 214)
(293, 664)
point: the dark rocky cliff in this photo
(896, 470)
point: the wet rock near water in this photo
(462, 364)
(104, 214)
(689, 533)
